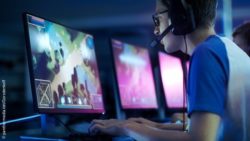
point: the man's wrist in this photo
(127, 128)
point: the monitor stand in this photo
(48, 123)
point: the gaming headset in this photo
(182, 20)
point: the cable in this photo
(63, 124)
(71, 131)
(184, 82)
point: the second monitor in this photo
(171, 69)
(134, 76)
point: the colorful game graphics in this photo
(134, 76)
(64, 65)
(172, 79)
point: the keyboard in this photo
(83, 137)
(88, 137)
(77, 137)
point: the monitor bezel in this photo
(93, 112)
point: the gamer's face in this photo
(171, 42)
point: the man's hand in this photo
(204, 127)
(162, 126)
(112, 127)
(144, 121)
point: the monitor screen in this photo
(172, 80)
(134, 76)
(63, 68)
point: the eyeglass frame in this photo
(156, 19)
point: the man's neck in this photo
(196, 37)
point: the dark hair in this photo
(244, 31)
(204, 11)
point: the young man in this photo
(218, 85)
(241, 36)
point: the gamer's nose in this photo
(157, 31)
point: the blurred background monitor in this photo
(134, 76)
(172, 80)
(63, 68)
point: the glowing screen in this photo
(64, 66)
(134, 76)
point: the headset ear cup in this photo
(191, 17)
(182, 17)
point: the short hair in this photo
(244, 31)
(204, 11)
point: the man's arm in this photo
(146, 133)
(165, 126)
(204, 127)
(170, 126)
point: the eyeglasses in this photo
(156, 17)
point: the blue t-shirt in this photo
(209, 69)
(218, 73)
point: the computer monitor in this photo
(172, 79)
(63, 68)
(134, 76)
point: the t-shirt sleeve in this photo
(207, 84)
